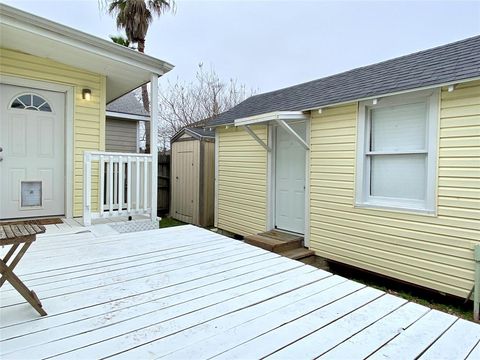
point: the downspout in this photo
(476, 290)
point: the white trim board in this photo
(362, 177)
(271, 182)
(125, 116)
(276, 115)
(28, 22)
(402, 92)
(215, 213)
(69, 92)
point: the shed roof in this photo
(437, 66)
(196, 132)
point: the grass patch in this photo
(169, 222)
(446, 303)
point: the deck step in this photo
(280, 235)
(274, 245)
(298, 254)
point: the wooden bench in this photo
(15, 235)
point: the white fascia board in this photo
(76, 38)
(118, 115)
(378, 96)
(276, 115)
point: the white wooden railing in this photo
(125, 185)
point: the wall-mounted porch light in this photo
(451, 88)
(86, 94)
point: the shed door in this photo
(185, 178)
(290, 159)
(32, 161)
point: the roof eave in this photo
(236, 122)
(32, 23)
(127, 116)
(405, 91)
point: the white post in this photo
(87, 189)
(129, 184)
(476, 288)
(154, 143)
(121, 185)
(110, 185)
(101, 203)
(137, 185)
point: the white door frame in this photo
(69, 92)
(272, 141)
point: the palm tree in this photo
(121, 40)
(135, 16)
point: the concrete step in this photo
(298, 254)
(274, 245)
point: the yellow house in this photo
(377, 167)
(55, 82)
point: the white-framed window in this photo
(396, 152)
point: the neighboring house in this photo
(378, 167)
(55, 84)
(124, 117)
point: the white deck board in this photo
(464, 334)
(418, 337)
(361, 345)
(186, 292)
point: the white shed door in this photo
(290, 180)
(32, 161)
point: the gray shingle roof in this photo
(444, 64)
(202, 132)
(197, 132)
(127, 104)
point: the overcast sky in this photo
(268, 45)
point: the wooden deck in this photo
(185, 292)
(99, 227)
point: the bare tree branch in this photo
(182, 104)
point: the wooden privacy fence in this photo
(163, 184)
(124, 185)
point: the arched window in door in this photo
(30, 102)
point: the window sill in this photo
(397, 209)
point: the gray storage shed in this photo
(193, 176)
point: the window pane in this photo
(37, 101)
(17, 105)
(398, 176)
(400, 127)
(26, 99)
(45, 107)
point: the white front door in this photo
(32, 160)
(290, 159)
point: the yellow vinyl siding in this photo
(89, 116)
(242, 181)
(432, 251)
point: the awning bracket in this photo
(292, 133)
(255, 136)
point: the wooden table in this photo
(15, 235)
